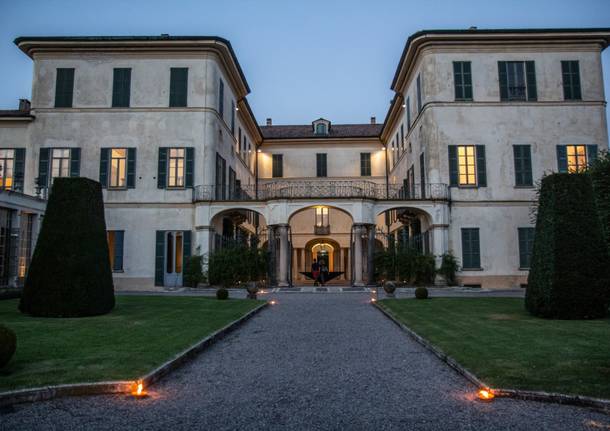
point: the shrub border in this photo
(599, 404)
(124, 386)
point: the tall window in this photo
(221, 98)
(221, 177)
(121, 87)
(517, 81)
(577, 157)
(178, 86)
(7, 165)
(321, 165)
(365, 164)
(526, 245)
(118, 168)
(60, 162)
(322, 217)
(115, 249)
(175, 172)
(462, 80)
(232, 117)
(64, 87)
(571, 80)
(408, 113)
(402, 137)
(471, 253)
(523, 165)
(419, 94)
(277, 166)
(467, 173)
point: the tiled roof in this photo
(336, 131)
(15, 113)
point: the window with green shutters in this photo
(462, 80)
(178, 87)
(221, 177)
(408, 113)
(115, 248)
(176, 168)
(575, 158)
(365, 164)
(321, 165)
(64, 87)
(471, 252)
(121, 87)
(571, 80)
(221, 98)
(419, 94)
(467, 166)
(517, 81)
(277, 166)
(523, 165)
(526, 245)
(12, 168)
(118, 168)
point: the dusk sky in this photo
(302, 60)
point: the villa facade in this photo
(478, 117)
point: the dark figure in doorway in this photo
(323, 272)
(315, 272)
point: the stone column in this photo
(370, 255)
(358, 230)
(342, 263)
(282, 280)
(295, 263)
(273, 253)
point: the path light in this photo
(273, 302)
(486, 394)
(373, 300)
(137, 390)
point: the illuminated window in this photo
(467, 165)
(322, 217)
(60, 162)
(118, 168)
(577, 158)
(176, 167)
(7, 165)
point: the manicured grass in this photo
(140, 334)
(507, 348)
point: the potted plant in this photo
(389, 287)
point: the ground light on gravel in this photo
(506, 347)
(311, 362)
(141, 333)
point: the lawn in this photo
(140, 334)
(507, 348)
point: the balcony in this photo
(315, 189)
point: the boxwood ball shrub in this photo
(222, 293)
(8, 345)
(70, 274)
(569, 276)
(421, 293)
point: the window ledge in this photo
(524, 269)
(525, 187)
(472, 269)
(118, 271)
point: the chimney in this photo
(373, 120)
(24, 105)
(269, 122)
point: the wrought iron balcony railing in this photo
(315, 189)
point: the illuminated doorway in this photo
(324, 253)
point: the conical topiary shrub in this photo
(569, 276)
(70, 274)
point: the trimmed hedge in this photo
(235, 265)
(70, 272)
(8, 345)
(600, 174)
(569, 276)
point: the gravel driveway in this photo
(310, 362)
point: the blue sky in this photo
(302, 59)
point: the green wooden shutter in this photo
(118, 250)
(566, 78)
(562, 158)
(75, 162)
(159, 257)
(19, 169)
(186, 248)
(121, 87)
(190, 167)
(43, 167)
(104, 167)
(576, 94)
(503, 79)
(471, 253)
(591, 153)
(64, 87)
(458, 83)
(178, 87)
(481, 166)
(162, 169)
(453, 165)
(523, 165)
(131, 168)
(530, 76)
(467, 80)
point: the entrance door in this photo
(174, 242)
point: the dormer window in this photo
(321, 127)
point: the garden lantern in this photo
(485, 394)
